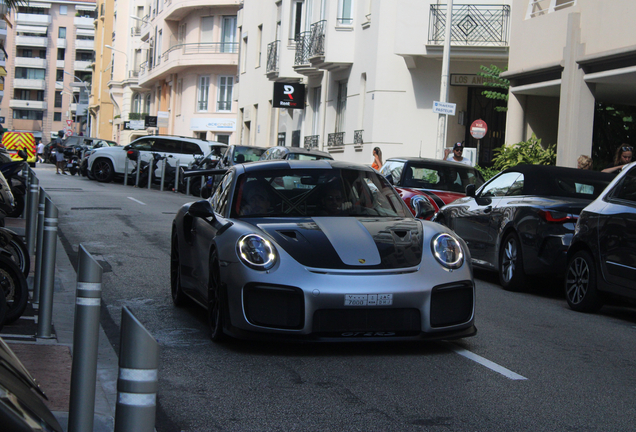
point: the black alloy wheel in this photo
(178, 297)
(17, 250)
(511, 274)
(215, 304)
(15, 289)
(580, 283)
(103, 170)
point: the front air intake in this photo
(274, 306)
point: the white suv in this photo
(107, 162)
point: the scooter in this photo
(12, 172)
(71, 154)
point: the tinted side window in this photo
(166, 146)
(626, 189)
(220, 199)
(143, 144)
(394, 169)
(499, 186)
(190, 148)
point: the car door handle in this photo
(488, 209)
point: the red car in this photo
(436, 181)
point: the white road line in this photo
(136, 200)
(484, 362)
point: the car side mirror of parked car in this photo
(201, 209)
(470, 190)
(22, 154)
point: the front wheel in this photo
(511, 273)
(580, 284)
(103, 170)
(15, 289)
(215, 303)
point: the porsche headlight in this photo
(256, 252)
(447, 251)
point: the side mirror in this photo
(470, 190)
(23, 154)
(423, 207)
(389, 178)
(201, 209)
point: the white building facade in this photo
(372, 71)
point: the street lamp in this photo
(119, 51)
(139, 19)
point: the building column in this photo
(515, 119)
(576, 110)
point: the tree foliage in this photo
(613, 126)
(499, 85)
(525, 152)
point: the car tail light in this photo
(557, 216)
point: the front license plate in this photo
(368, 299)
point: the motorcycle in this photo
(12, 172)
(150, 168)
(72, 156)
(200, 163)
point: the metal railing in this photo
(202, 48)
(303, 48)
(472, 25)
(318, 38)
(357, 136)
(272, 56)
(311, 141)
(135, 31)
(335, 139)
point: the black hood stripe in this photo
(437, 199)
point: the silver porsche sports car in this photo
(319, 250)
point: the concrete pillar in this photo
(515, 119)
(576, 110)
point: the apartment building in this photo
(186, 69)
(372, 72)
(49, 55)
(3, 56)
(565, 56)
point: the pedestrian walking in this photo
(40, 152)
(60, 162)
(377, 159)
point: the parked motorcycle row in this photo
(15, 261)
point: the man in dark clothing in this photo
(60, 162)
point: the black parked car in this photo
(294, 153)
(602, 256)
(522, 220)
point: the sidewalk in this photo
(50, 360)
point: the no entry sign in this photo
(478, 129)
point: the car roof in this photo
(280, 164)
(440, 162)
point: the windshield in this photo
(247, 154)
(441, 177)
(316, 192)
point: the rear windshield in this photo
(247, 154)
(579, 188)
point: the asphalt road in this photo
(533, 366)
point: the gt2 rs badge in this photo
(368, 299)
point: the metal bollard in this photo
(203, 180)
(176, 178)
(163, 173)
(31, 211)
(188, 186)
(85, 342)
(138, 170)
(47, 281)
(126, 171)
(37, 276)
(151, 171)
(26, 173)
(138, 382)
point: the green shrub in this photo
(487, 172)
(529, 152)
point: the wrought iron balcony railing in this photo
(317, 45)
(357, 136)
(335, 139)
(272, 56)
(479, 25)
(303, 47)
(311, 141)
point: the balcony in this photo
(33, 19)
(84, 22)
(341, 42)
(81, 65)
(27, 104)
(59, 64)
(61, 43)
(311, 141)
(30, 84)
(303, 51)
(183, 56)
(473, 25)
(335, 139)
(272, 59)
(82, 44)
(176, 11)
(36, 63)
(33, 41)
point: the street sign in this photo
(444, 108)
(478, 129)
(69, 122)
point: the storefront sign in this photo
(151, 121)
(289, 95)
(471, 80)
(213, 124)
(163, 119)
(134, 125)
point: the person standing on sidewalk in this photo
(377, 159)
(60, 162)
(458, 150)
(40, 152)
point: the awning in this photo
(86, 8)
(39, 5)
(30, 29)
(85, 32)
(3, 72)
